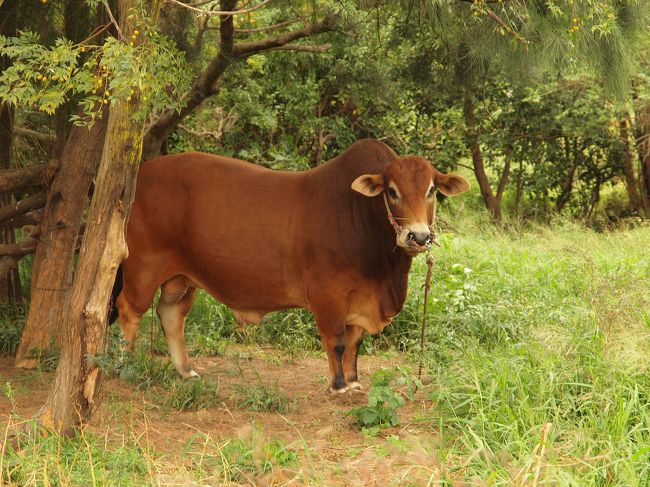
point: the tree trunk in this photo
(643, 136)
(75, 393)
(54, 261)
(567, 187)
(76, 27)
(628, 166)
(78, 159)
(520, 189)
(492, 201)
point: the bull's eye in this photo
(431, 192)
(392, 193)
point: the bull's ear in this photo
(451, 184)
(369, 184)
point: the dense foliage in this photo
(541, 90)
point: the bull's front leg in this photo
(334, 344)
(330, 320)
(353, 339)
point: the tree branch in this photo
(223, 13)
(12, 210)
(268, 27)
(304, 48)
(12, 180)
(205, 85)
(113, 21)
(40, 136)
(246, 49)
(27, 246)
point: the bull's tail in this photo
(117, 289)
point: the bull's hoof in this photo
(190, 374)
(337, 392)
(355, 387)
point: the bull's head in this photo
(408, 186)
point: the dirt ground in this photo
(339, 453)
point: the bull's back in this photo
(226, 224)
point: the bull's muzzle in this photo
(415, 239)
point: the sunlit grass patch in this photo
(45, 458)
(553, 338)
(250, 458)
(42, 457)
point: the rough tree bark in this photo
(75, 392)
(53, 264)
(78, 151)
(10, 289)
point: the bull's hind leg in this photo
(353, 339)
(176, 299)
(129, 320)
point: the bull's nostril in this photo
(420, 238)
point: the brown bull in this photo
(337, 240)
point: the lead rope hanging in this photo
(427, 287)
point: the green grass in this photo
(537, 357)
(12, 318)
(46, 458)
(528, 327)
(267, 398)
(549, 326)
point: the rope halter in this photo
(399, 229)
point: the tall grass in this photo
(538, 351)
(547, 327)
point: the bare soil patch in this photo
(338, 452)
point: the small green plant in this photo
(209, 345)
(191, 394)
(10, 394)
(245, 458)
(261, 397)
(143, 371)
(12, 319)
(409, 382)
(383, 402)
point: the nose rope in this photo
(393, 223)
(433, 219)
